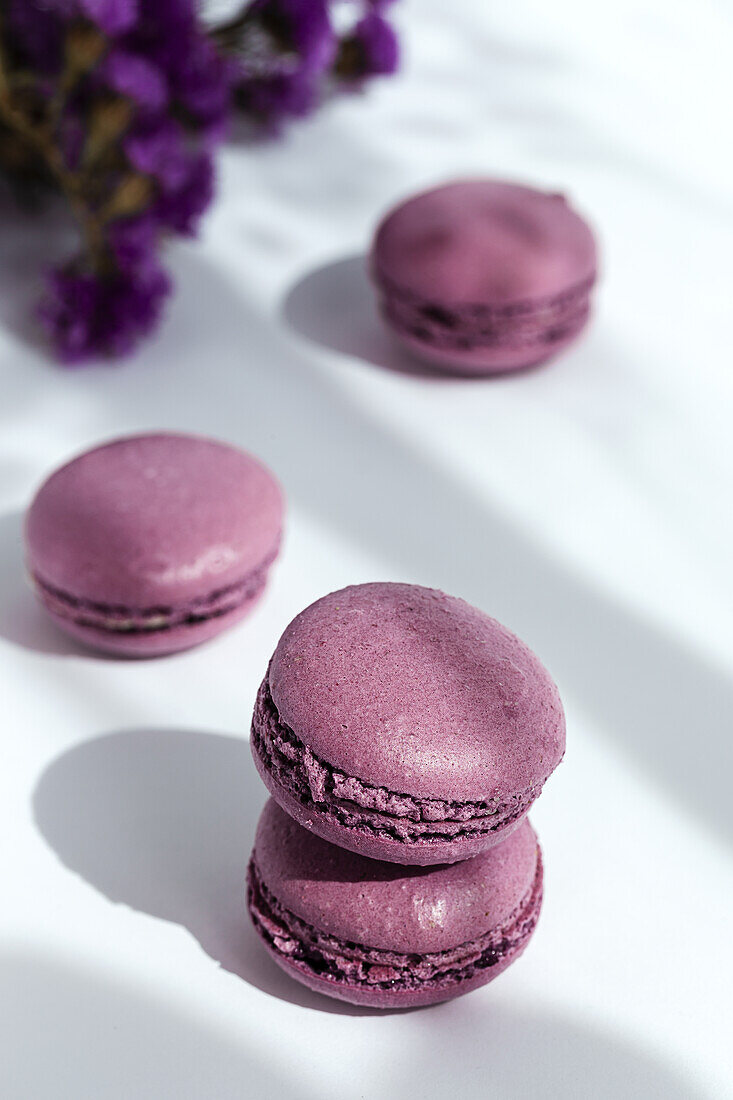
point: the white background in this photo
(587, 505)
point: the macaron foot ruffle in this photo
(118, 619)
(361, 806)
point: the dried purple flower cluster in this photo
(119, 105)
(290, 53)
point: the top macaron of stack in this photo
(405, 724)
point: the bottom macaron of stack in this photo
(385, 935)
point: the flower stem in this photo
(40, 139)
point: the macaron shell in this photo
(153, 520)
(386, 906)
(484, 241)
(383, 847)
(367, 906)
(418, 692)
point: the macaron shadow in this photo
(163, 820)
(335, 307)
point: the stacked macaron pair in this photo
(403, 736)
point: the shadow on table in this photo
(67, 1032)
(478, 1047)
(335, 306)
(70, 1034)
(163, 821)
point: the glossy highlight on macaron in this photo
(150, 544)
(383, 935)
(482, 276)
(405, 725)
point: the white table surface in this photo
(587, 505)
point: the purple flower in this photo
(156, 147)
(87, 315)
(372, 49)
(114, 17)
(132, 240)
(288, 51)
(149, 96)
(132, 75)
(180, 208)
(283, 49)
(36, 33)
(184, 176)
(279, 95)
(122, 104)
(199, 78)
(299, 27)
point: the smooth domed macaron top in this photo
(484, 242)
(153, 520)
(384, 905)
(410, 689)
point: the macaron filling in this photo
(119, 619)
(365, 807)
(301, 945)
(460, 327)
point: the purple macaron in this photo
(405, 724)
(387, 936)
(480, 277)
(153, 543)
